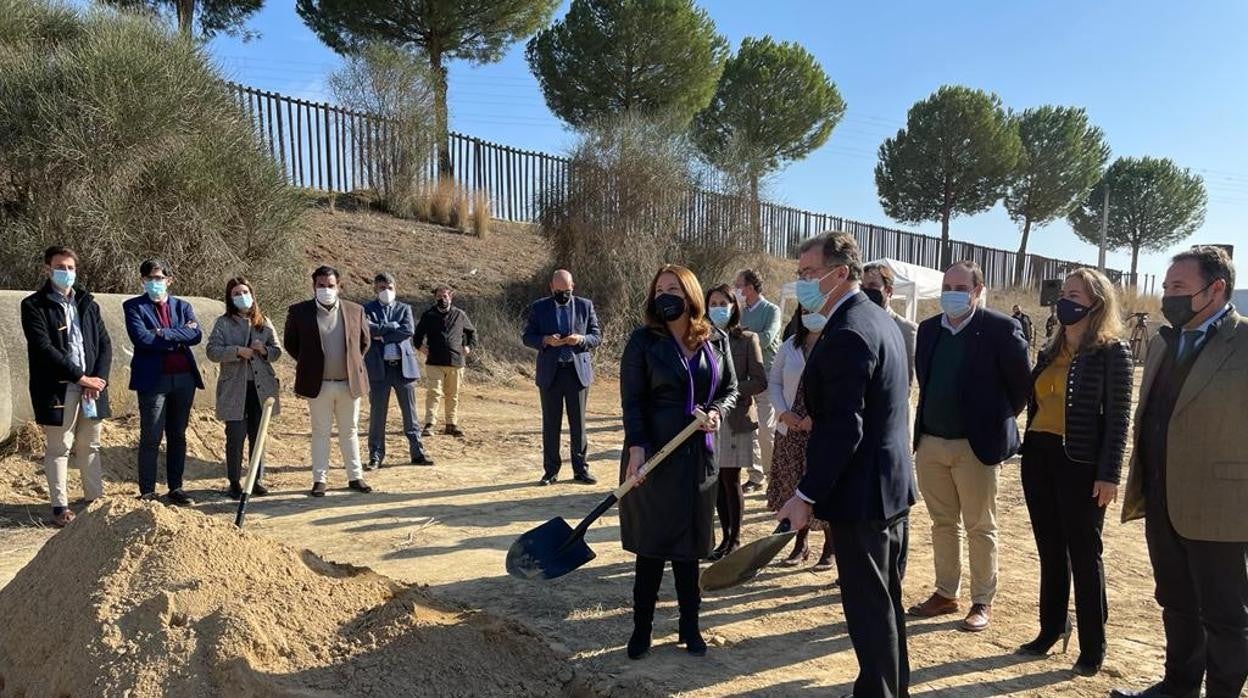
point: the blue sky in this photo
(1160, 78)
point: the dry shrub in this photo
(119, 139)
(623, 214)
(480, 214)
(460, 215)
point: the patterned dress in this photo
(788, 463)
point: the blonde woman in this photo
(1077, 422)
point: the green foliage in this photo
(117, 138)
(657, 58)
(478, 31)
(1153, 205)
(397, 86)
(1062, 156)
(774, 104)
(215, 16)
(954, 157)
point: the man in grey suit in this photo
(877, 283)
(762, 317)
(392, 366)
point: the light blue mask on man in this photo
(955, 304)
(155, 288)
(64, 278)
(809, 294)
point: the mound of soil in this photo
(136, 599)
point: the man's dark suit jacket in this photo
(996, 381)
(857, 384)
(543, 321)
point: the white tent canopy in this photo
(911, 283)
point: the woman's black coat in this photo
(670, 515)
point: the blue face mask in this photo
(156, 288)
(63, 278)
(814, 321)
(720, 316)
(243, 302)
(955, 304)
(809, 295)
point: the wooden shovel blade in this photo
(547, 552)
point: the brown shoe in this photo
(936, 605)
(978, 619)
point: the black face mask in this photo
(444, 304)
(876, 296)
(1178, 309)
(1070, 312)
(670, 307)
(561, 297)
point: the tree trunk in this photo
(1020, 264)
(441, 120)
(186, 17)
(1135, 258)
(946, 250)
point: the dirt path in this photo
(449, 527)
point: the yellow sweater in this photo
(1051, 395)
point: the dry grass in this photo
(480, 214)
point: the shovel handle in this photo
(700, 419)
(257, 456)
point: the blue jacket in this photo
(147, 365)
(857, 384)
(390, 324)
(543, 321)
(996, 381)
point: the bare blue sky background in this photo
(1161, 78)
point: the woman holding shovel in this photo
(674, 364)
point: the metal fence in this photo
(327, 148)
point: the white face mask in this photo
(386, 296)
(327, 296)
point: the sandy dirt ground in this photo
(449, 526)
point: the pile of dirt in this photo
(138, 599)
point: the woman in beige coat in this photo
(244, 342)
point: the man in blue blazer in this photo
(974, 376)
(564, 330)
(164, 374)
(858, 469)
(392, 366)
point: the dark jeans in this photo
(236, 431)
(1202, 588)
(1067, 524)
(871, 561)
(379, 407)
(164, 412)
(565, 391)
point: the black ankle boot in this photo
(639, 642)
(690, 635)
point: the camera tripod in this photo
(1139, 336)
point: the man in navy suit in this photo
(974, 379)
(164, 374)
(392, 366)
(563, 329)
(858, 468)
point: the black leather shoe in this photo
(318, 489)
(359, 486)
(452, 430)
(180, 498)
(422, 460)
(548, 480)
(259, 490)
(373, 464)
(585, 479)
(236, 491)
(1088, 666)
(148, 497)
(639, 643)
(427, 431)
(751, 487)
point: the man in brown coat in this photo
(328, 338)
(1189, 478)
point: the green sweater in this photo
(942, 400)
(764, 320)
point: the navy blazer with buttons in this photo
(379, 316)
(544, 321)
(995, 379)
(148, 364)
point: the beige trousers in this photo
(960, 491)
(79, 437)
(442, 381)
(335, 404)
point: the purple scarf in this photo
(705, 350)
